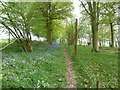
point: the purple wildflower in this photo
(23, 61)
(11, 77)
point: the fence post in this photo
(76, 37)
(97, 84)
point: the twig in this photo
(7, 45)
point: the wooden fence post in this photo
(76, 37)
(97, 84)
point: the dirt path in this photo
(70, 74)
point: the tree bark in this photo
(112, 35)
(49, 36)
(94, 25)
(49, 24)
(25, 44)
(94, 35)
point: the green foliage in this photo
(3, 42)
(38, 69)
(15, 14)
(84, 29)
(52, 14)
(69, 31)
(26, 17)
(91, 66)
(59, 29)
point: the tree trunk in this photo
(68, 38)
(100, 44)
(112, 35)
(95, 37)
(94, 34)
(38, 38)
(94, 26)
(9, 37)
(49, 24)
(49, 36)
(25, 44)
(79, 42)
(49, 30)
(60, 41)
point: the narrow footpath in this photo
(70, 74)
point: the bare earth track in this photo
(70, 74)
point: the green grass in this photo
(3, 42)
(91, 66)
(43, 68)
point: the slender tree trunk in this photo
(100, 44)
(69, 38)
(80, 42)
(9, 37)
(76, 38)
(60, 41)
(38, 38)
(112, 35)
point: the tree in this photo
(84, 31)
(93, 11)
(53, 11)
(119, 25)
(70, 31)
(58, 30)
(109, 17)
(14, 17)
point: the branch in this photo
(14, 26)
(113, 9)
(7, 45)
(8, 28)
(98, 12)
(90, 8)
(86, 9)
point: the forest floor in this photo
(91, 67)
(111, 49)
(70, 74)
(51, 66)
(45, 67)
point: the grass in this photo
(91, 67)
(43, 68)
(3, 42)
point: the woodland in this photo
(68, 52)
